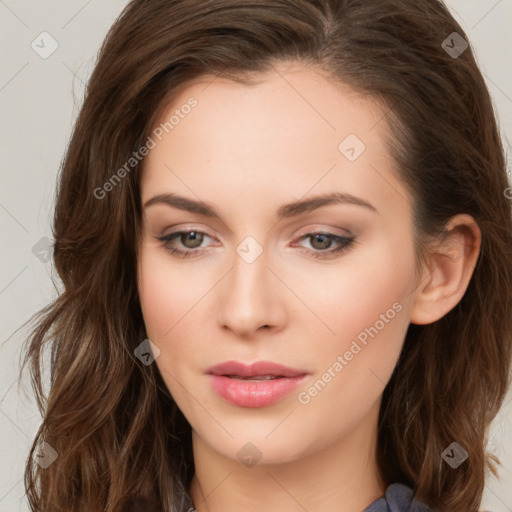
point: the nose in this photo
(251, 298)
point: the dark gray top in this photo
(398, 498)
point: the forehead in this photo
(289, 102)
(293, 131)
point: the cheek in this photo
(366, 305)
(170, 301)
(156, 296)
(166, 294)
(353, 294)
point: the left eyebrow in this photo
(286, 211)
(307, 205)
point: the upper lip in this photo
(260, 368)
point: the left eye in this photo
(192, 239)
(323, 241)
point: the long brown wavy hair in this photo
(119, 436)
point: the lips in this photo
(256, 385)
(261, 370)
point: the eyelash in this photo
(346, 243)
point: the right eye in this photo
(189, 239)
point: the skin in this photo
(247, 151)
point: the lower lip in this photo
(246, 393)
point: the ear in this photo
(450, 263)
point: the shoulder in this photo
(398, 498)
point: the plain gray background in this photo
(39, 100)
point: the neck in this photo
(341, 476)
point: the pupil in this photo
(196, 239)
(323, 244)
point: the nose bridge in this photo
(249, 279)
(249, 263)
(249, 299)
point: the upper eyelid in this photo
(188, 230)
(303, 234)
(308, 231)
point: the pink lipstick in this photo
(255, 385)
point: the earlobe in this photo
(450, 265)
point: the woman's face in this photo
(262, 276)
